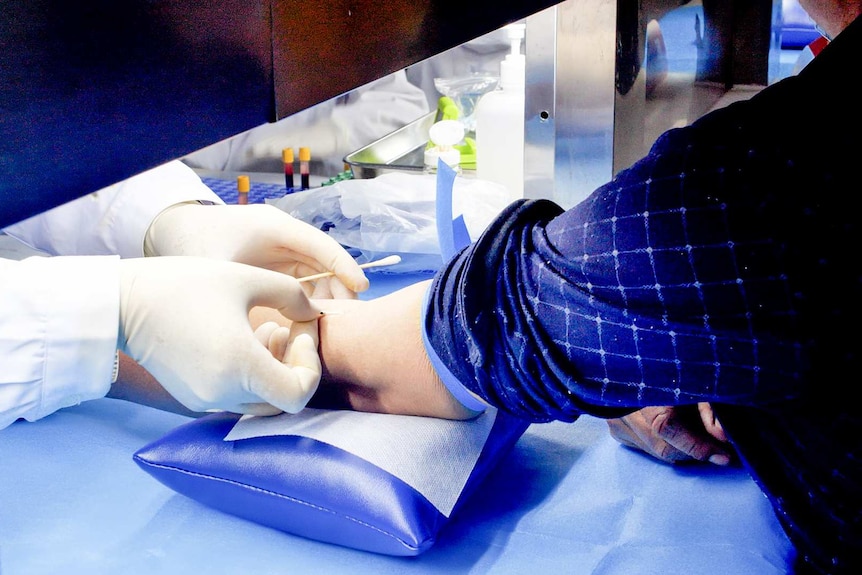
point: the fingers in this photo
(670, 434)
(687, 434)
(263, 332)
(274, 337)
(710, 422)
(262, 409)
(336, 259)
(332, 288)
(318, 246)
(281, 292)
(349, 273)
(259, 235)
(296, 348)
(328, 288)
(199, 342)
(290, 375)
(635, 431)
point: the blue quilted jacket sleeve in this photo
(676, 282)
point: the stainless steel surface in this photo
(400, 151)
(570, 99)
(403, 151)
(541, 117)
(588, 111)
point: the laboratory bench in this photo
(567, 498)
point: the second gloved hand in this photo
(257, 234)
(186, 321)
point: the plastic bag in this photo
(394, 213)
(465, 91)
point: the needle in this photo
(387, 261)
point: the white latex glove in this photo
(185, 320)
(256, 234)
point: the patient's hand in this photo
(374, 359)
(674, 433)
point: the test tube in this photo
(304, 159)
(287, 159)
(242, 187)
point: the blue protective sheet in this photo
(566, 499)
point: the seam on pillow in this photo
(280, 495)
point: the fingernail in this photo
(719, 459)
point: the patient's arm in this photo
(374, 359)
(372, 355)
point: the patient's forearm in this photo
(373, 354)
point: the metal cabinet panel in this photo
(94, 91)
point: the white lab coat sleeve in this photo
(114, 220)
(59, 319)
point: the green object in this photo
(345, 175)
(468, 153)
(446, 109)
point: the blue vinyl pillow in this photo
(380, 483)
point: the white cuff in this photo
(58, 334)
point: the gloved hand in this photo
(257, 234)
(186, 321)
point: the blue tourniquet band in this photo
(455, 387)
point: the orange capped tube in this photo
(242, 187)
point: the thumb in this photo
(289, 384)
(280, 291)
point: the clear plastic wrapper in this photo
(465, 91)
(394, 214)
